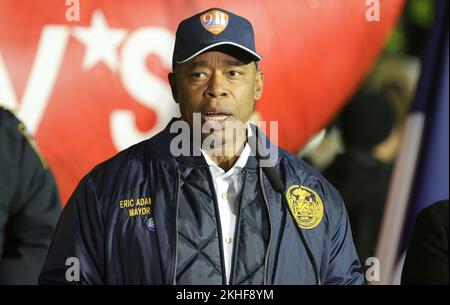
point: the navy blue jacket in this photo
(147, 217)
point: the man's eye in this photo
(198, 75)
(233, 73)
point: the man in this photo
(208, 215)
(29, 204)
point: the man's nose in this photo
(215, 87)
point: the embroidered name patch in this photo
(137, 207)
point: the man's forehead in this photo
(208, 58)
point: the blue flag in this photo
(431, 182)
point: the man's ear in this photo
(173, 86)
(259, 82)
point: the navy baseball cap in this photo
(212, 28)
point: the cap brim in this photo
(255, 55)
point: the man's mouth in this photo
(215, 116)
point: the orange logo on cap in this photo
(214, 21)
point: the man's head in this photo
(367, 120)
(214, 69)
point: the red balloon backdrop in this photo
(89, 88)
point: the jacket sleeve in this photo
(344, 267)
(29, 204)
(76, 252)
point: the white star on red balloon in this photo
(101, 42)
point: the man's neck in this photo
(225, 162)
(224, 159)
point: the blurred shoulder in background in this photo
(427, 255)
(29, 204)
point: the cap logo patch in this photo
(214, 21)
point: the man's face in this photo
(218, 86)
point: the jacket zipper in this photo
(219, 227)
(174, 276)
(270, 224)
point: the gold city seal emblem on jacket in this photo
(306, 206)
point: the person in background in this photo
(29, 204)
(359, 173)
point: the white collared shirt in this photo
(228, 186)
